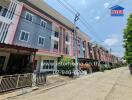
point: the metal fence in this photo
(40, 79)
(12, 82)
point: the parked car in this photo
(130, 68)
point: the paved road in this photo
(111, 85)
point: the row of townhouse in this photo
(31, 31)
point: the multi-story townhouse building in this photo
(33, 24)
(100, 56)
(36, 25)
(11, 55)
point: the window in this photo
(48, 64)
(43, 23)
(67, 50)
(29, 16)
(56, 34)
(67, 37)
(24, 36)
(84, 44)
(84, 53)
(3, 11)
(41, 40)
(56, 45)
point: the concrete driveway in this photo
(110, 85)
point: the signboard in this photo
(117, 11)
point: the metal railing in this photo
(12, 82)
(40, 79)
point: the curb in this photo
(17, 93)
(27, 90)
(54, 86)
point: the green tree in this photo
(66, 64)
(128, 40)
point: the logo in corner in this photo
(117, 11)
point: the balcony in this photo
(4, 5)
(56, 34)
(56, 46)
(67, 50)
(7, 10)
(3, 11)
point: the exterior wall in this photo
(13, 26)
(34, 30)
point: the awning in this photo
(3, 45)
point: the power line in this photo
(82, 20)
(62, 4)
(70, 6)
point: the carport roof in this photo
(3, 45)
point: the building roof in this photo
(117, 7)
(52, 12)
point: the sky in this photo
(99, 25)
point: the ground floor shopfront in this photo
(46, 62)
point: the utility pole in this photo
(75, 41)
(110, 50)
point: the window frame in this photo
(29, 14)
(38, 40)
(21, 35)
(44, 22)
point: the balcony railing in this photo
(55, 50)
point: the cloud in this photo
(118, 54)
(112, 40)
(78, 3)
(97, 17)
(106, 5)
(83, 2)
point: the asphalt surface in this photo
(114, 84)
